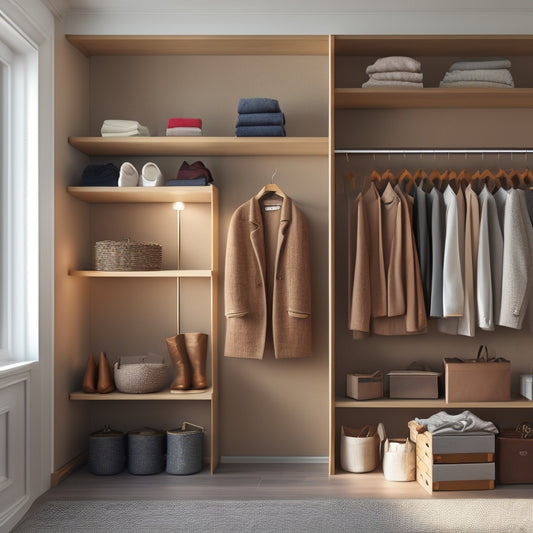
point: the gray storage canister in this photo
(146, 451)
(184, 449)
(107, 452)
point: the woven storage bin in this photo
(146, 451)
(184, 449)
(127, 255)
(140, 375)
(107, 452)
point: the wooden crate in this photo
(454, 462)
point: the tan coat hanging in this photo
(268, 281)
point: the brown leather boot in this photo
(178, 354)
(196, 344)
(105, 382)
(89, 378)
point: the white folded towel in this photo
(475, 84)
(139, 132)
(123, 128)
(394, 63)
(465, 422)
(393, 83)
(481, 63)
(397, 76)
(184, 131)
(496, 75)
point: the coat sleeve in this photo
(235, 301)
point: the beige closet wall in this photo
(268, 407)
(71, 224)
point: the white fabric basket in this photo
(360, 449)
(399, 460)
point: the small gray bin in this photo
(107, 452)
(184, 449)
(146, 451)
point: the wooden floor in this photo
(256, 481)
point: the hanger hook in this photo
(273, 175)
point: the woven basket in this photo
(185, 449)
(140, 375)
(127, 255)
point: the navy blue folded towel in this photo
(188, 182)
(260, 131)
(100, 175)
(261, 119)
(258, 105)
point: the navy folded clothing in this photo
(261, 119)
(194, 182)
(258, 105)
(100, 175)
(260, 131)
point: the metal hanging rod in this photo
(438, 151)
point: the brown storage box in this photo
(477, 381)
(364, 386)
(514, 458)
(413, 384)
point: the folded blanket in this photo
(260, 131)
(476, 84)
(442, 423)
(394, 63)
(100, 175)
(258, 105)
(197, 182)
(496, 75)
(184, 132)
(397, 76)
(184, 123)
(141, 131)
(393, 83)
(481, 63)
(196, 170)
(261, 119)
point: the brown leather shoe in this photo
(196, 344)
(105, 382)
(178, 353)
(89, 378)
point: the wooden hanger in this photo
(487, 178)
(502, 179)
(514, 177)
(406, 181)
(271, 189)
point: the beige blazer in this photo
(268, 281)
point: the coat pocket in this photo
(236, 314)
(294, 313)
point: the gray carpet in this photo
(305, 516)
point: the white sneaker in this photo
(128, 176)
(151, 176)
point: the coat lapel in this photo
(257, 237)
(284, 222)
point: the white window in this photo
(19, 229)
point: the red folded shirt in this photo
(184, 123)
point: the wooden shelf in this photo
(143, 194)
(432, 97)
(164, 395)
(200, 44)
(141, 274)
(200, 146)
(434, 45)
(390, 403)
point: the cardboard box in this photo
(477, 381)
(364, 386)
(414, 384)
(514, 458)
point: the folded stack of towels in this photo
(188, 127)
(189, 175)
(482, 72)
(123, 128)
(395, 71)
(260, 117)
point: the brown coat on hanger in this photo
(268, 280)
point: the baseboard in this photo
(59, 475)
(271, 459)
